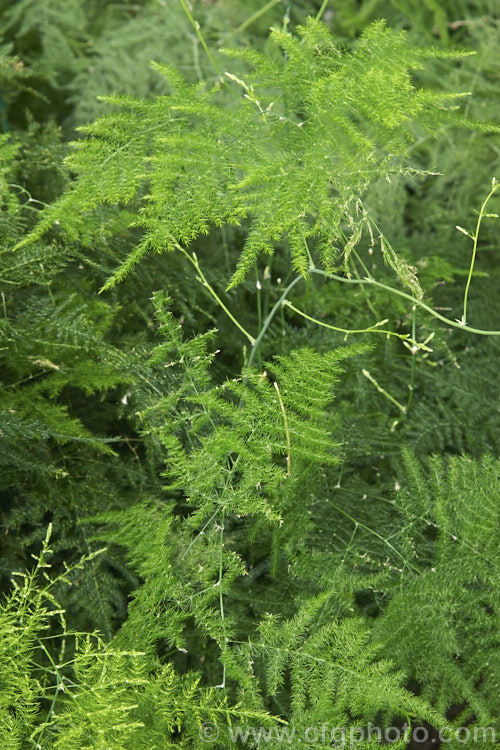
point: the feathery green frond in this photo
(450, 516)
(292, 155)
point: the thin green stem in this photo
(286, 22)
(375, 533)
(255, 342)
(203, 280)
(413, 360)
(369, 303)
(362, 263)
(475, 237)
(405, 295)
(381, 390)
(371, 329)
(258, 286)
(309, 256)
(269, 318)
(255, 16)
(320, 12)
(199, 534)
(200, 36)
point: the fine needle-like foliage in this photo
(249, 339)
(450, 519)
(290, 149)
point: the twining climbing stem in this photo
(474, 237)
(409, 340)
(374, 328)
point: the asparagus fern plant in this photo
(272, 561)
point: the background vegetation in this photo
(216, 507)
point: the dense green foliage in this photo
(249, 421)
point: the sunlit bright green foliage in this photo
(249, 421)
